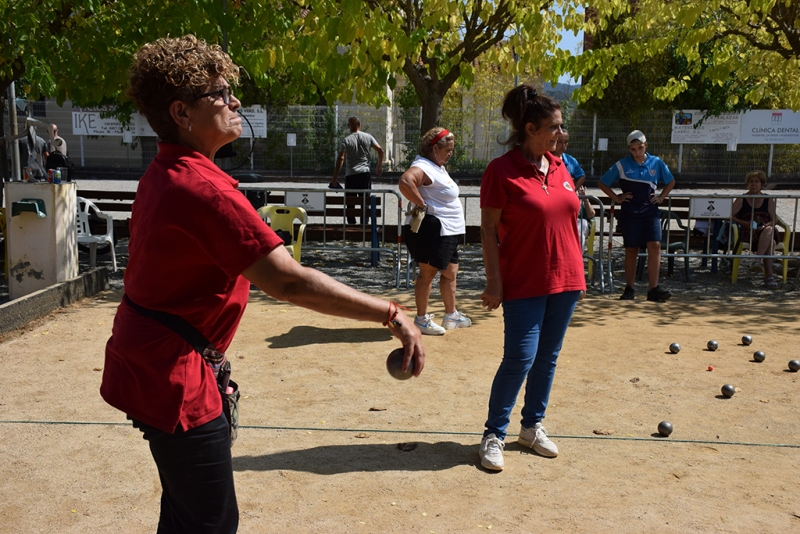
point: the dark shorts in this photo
(427, 246)
(637, 233)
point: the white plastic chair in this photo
(85, 237)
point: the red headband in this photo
(438, 137)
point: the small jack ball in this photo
(712, 345)
(759, 356)
(728, 391)
(674, 348)
(794, 365)
(746, 340)
(665, 428)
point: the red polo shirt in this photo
(540, 252)
(192, 235)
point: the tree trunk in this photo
(431, 110)
(431, 91)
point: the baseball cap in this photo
(636, 135)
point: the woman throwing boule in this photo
(433, 228)
(196, 245)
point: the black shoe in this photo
(628, 294)
(658, 295)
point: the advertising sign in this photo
(90, 122)
(770, 127)
(258, 118)
(719, 130)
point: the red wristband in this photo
(394, 309)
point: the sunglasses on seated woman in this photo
(225, 93)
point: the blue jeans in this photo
(534, 332)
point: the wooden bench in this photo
(116, 202)
(678, 206)
(334, 214)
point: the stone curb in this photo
(19, 312)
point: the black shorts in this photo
(428, 246)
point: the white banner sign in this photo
(720, 130)
(91, 123)
(770, 127)
(710, 208)
(258, 118)
(307, 201)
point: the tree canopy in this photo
(751, 48)
(363, 46)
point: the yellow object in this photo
(783, 247)
(283, 218)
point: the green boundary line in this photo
(432, 432)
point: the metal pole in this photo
(594, 141)
(12, 118)
(769, 165)
(680, 157)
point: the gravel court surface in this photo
(332, 444)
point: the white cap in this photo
(636, 135)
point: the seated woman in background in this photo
(757, 215)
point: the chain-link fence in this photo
(318, 131)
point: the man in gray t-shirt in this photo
(354, 149)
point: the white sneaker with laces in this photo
(491, 453)
(459, 321)
(428, 327)
(536, 438)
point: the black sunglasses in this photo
(225, 93)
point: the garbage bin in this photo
(41, 234)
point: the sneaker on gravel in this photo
(459, 321)
(536, 438)
(491, 453)
(658, 295)
(427, 326)
(628, 294)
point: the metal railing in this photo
(787, 212)
(373, 236)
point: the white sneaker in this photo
(460, 321)
(491, 453)
(428, 327)
(536, 438)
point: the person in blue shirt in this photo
(573, 167)
(640, 223)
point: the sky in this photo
(570, 42)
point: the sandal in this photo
(770, 283)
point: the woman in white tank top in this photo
(436, 214)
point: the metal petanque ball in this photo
(728, 391)
(665, 428)
(759, 356)
(794, 365)
(394, 364)
(674, 348)
(712, 345)
(746, 340)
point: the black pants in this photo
(358, 181)
(196, 475)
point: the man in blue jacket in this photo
(640, 223)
